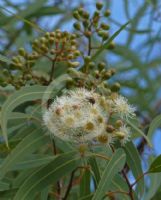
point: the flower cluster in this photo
(81, 116)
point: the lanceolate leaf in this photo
(4, 186)
(95, 169)
(156, 165)
(29, 93)
(119, 184)
(113, 167)
(85, 184)
(4, 59)
(105, 46)
(28, 145)
(155, 184)
(154, 124)
(61, 166)
(134, 163)
(140, 132)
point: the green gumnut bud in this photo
(22, 52)
(107, 13)
(111, 46)
(73, 64)
(115, 87)
(76, 15)
(81, 11)
(87, 59)
(85, 15)
(99, 5)
(101, 65)
(77, 26)
(91, 65)
(105, 26)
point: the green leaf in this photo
(140, 132)
(155, 166)
(85, 184)
(95, 169)
(4, 186)
(50, 174)
(23, 15)
(105, 46)
(44, 194)
(4, 59)
(134, 163)
(28, 145)
(87, 197)
(153, 125)
(113, 167)
(119, 184)
(155, 183)
(33, 161)
(25, 94)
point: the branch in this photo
(130, 193)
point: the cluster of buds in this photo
(88, 25)
(93, 75)
(82, 116)
(56, 46)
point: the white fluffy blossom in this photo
(122, 107)
(123, 134)
(78, 116)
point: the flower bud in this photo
(86, 23)
(110, 128)
(73, 64)
(105, 26)
(120, 135)
(76, 15)
(87, 33)
(99, 5)
(115, 87)
(76, 53)
(111, 46)
(77, 26)
(22, 52)
(87, 59)
(107, 13)
(118, 123)
(91, 65)
(81, 11)
(101, 65)
(85, 15)
(103, 138)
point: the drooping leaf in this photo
(140, 132)
(29, 93)
(119, 184)
(28, 145)
(134, 162)
(154, 125)
(155, 184)
(49, 174)
(5, 59)
(95, 169)
(105, 46)
(85, 184)
(112, 168)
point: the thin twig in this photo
(52, 70)
(130, 193)
(116, 192)
(69, 185)
(138, 179)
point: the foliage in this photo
(36, 164)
